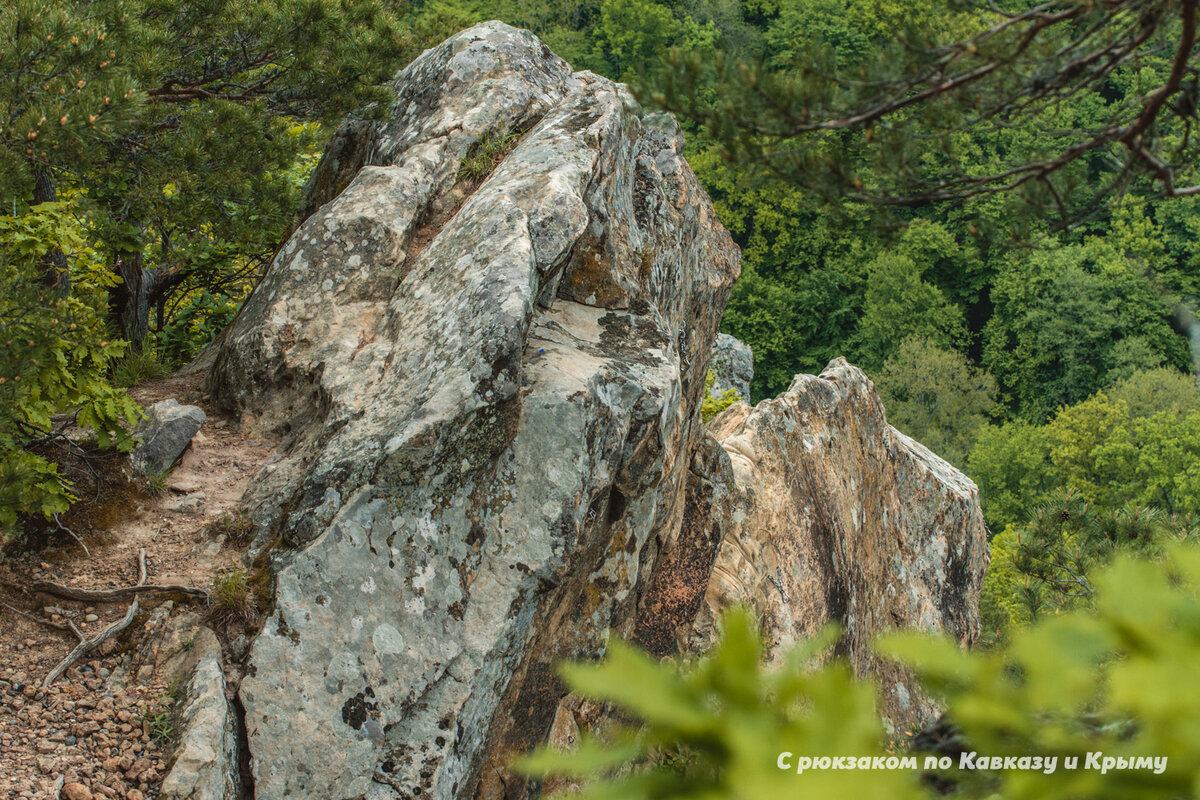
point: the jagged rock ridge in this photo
(487, 389)
(836, 516)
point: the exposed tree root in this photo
(87, 645)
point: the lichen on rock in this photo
(489, 395)
(487, 390)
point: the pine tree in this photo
(175, 124)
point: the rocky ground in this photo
(106, 728)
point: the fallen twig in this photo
(110, 595)
(87, 645)
(74, 535)
(37, 619)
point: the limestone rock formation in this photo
(836, 516)
(488, 392)
(483, 351)
(165, 433)
(732, 367)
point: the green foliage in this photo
(1100, 449)
(1001, 606)
(176, 126)
(160, 722)
(635, 31)
(713, 729)
(899, 304)
(486, 154)
(1067, 538)
(1114, 679)
(196, 319)
(1071, 320)
(711, 406)
(133, 368)
(1149, 392)
(54, 358)
(1009, 463)
(936, 396)
(1110, 679)
(156, 483)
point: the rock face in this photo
(836, 516)
(165, 433)
(484, 350)
(489, 397)
(732, 367)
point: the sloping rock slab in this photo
(838, 517)
(489, 394)
(205, 763)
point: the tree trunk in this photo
(131, 299)
(55, 274)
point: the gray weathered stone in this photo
(205, 764)
(488, 394)
(165, 433)
(732, 367)
(487, 390)
(838, 517)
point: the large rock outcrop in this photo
(489, 397)
(836, 516)
(484, 351)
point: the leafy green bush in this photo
(711, 406)
(1114, 681)
(1140, 445)
(54, 358)
(715, 728)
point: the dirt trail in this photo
(88, 735)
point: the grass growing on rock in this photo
(490, 151)
(231, 599)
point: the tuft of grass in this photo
(486, 154)
(159, 721)
(230, 598)
(156, 483)
(235, 526)
(134, 368)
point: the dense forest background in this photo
(1040, 334)
(991, 207)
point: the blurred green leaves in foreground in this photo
(1117, 677)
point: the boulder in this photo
(164, 434)
(487, 388)
(836, 516)
(732, 367)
